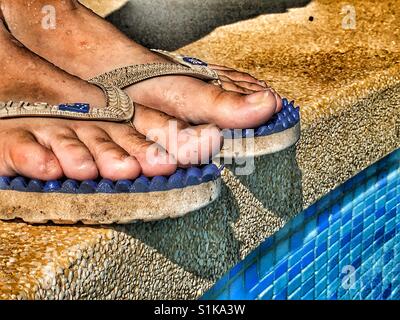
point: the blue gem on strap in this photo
(75, 107)
(195, 61)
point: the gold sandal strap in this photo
(130, 75)
(119, 108)
(192, 63)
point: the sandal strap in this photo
(119, 108)
(130, 75)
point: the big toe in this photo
(236, 111)
(25, 156)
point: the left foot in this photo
(83, 44)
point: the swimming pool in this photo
(345, 246)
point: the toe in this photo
(112, 161)
(74, 157)
(25, 156)
(279, 103)
(198, 102)
(189, 145)
(234, 87)
(198, 144)
(236, 111)
(250, 86)
(153, 159)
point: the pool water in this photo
(345, 246)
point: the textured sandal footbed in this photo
(182, 178)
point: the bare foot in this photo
(48, 149)
(86, 45)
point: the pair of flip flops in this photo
(103, 201)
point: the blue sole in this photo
(180, 179)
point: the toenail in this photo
(86, 164)
(49, 167)
(189, 133)
(259, 97)
(129, 159)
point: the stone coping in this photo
(347, 82)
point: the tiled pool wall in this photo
(345, 246)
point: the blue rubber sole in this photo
(180, 179)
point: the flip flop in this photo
(67, 201)
(279, 133)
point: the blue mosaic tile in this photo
(356, 226)
(321, 261)
(267, 294)
(320, 289)
(266, 282)
(281, 296)
(251, 277)
(307, 286)
(295, 271)
(223, 296)
(295, 258)
(282, 249)
(307, 260)
(266, 262)
(280, 285)
(323, 221)
(296, 295)
(296, 241)
(294, 284)
(321, 248)
(237, 269)
(237, 290)
(308, 271)
(335, 237)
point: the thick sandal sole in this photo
(260, 146)
(95, 209)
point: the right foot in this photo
(86, 45)
(48, 148)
